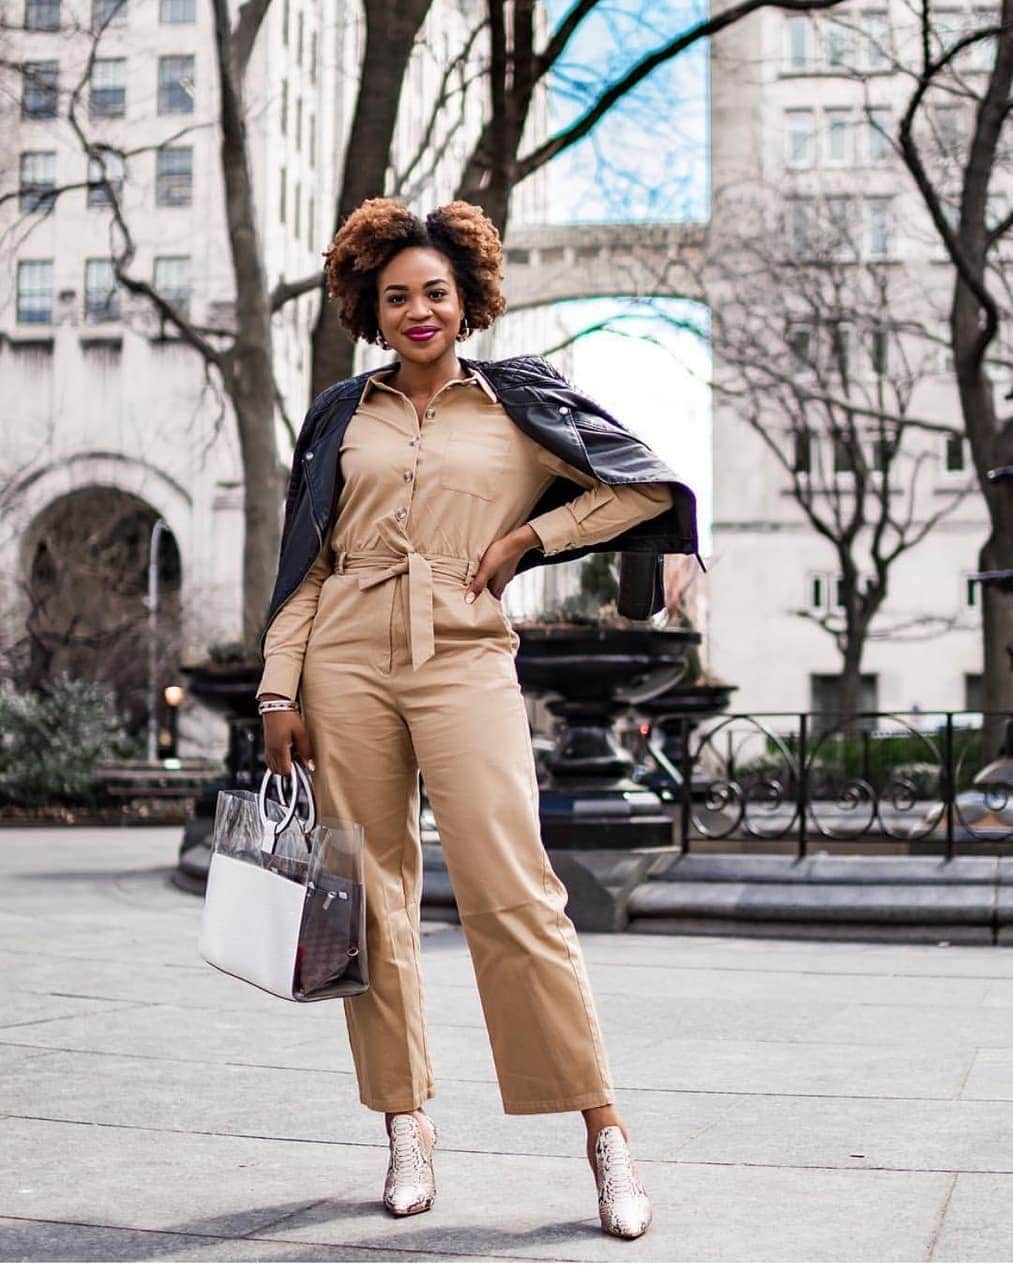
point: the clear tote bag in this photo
(285, 904)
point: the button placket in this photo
(408, 476)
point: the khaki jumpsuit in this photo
(398, 674)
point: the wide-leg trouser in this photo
(375, 722)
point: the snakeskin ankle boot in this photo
(622, 1202)
(411, 1185)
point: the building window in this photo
(825, 693)
(802, 452)
(841, 336)
(801, 343)
(997, 207)
(837, 45)
(35, 292)
(879, 351)
(954, 455)
(108, 13)
(951, 212)
(296, 210)
(175, 12)
(36, 180)
(313, 57)
(800, 138)
(42, 15)
(175, 85)
(839, 137)
(312, 147)
(285, 15)
(877, 212)
(876, 30)
(311, 221)
(844, 456)
(101, 292)
(840, 217)
(972, 592)
(174, 176)
(40, 90)
(877, 136)
(108, 96)
(800, 225)
(798, 43)
(816, 591)
(949, 131)
(283, 197)
(105, 173)
(945, 349)
(299, 32)
(283, 113)
(981, 55)
(172, 280)
(883, 449)
(974, 693)
(947, 26)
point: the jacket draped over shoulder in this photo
(586, 443)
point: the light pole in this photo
(173, 697)
(151, 602)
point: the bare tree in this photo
(518, 65)
(971, 73)
(237, 355)
(823, 353)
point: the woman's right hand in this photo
(284, 736)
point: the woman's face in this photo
(419, 307)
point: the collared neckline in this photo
(472, 375)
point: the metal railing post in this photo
(949, 785)
(803, 784)
(686, 766)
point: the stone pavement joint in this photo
(786, 1101)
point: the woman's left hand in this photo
(499, 562)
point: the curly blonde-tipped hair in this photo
(381, 227)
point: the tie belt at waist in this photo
(378, 566)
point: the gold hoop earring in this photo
(464, 332)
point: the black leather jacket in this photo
(551, 411)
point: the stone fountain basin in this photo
(596, 663)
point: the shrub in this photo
(52, 739)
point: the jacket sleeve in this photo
(601, 512)
(289, 632)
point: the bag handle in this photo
(300, 780)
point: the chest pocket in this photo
(474, 460)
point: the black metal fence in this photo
(919, 777)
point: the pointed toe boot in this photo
(622, 1202)
(410, 1187)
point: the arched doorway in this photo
(86, 582)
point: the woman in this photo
(397, 645)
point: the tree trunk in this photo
(997, 629)
(991, 446)
(973, 327)
(391, 29)
(851, 669)
(248, 373)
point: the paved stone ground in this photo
(787, 1101)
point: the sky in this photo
(645, 160)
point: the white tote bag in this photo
(285, 905)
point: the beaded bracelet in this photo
(276, 706)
